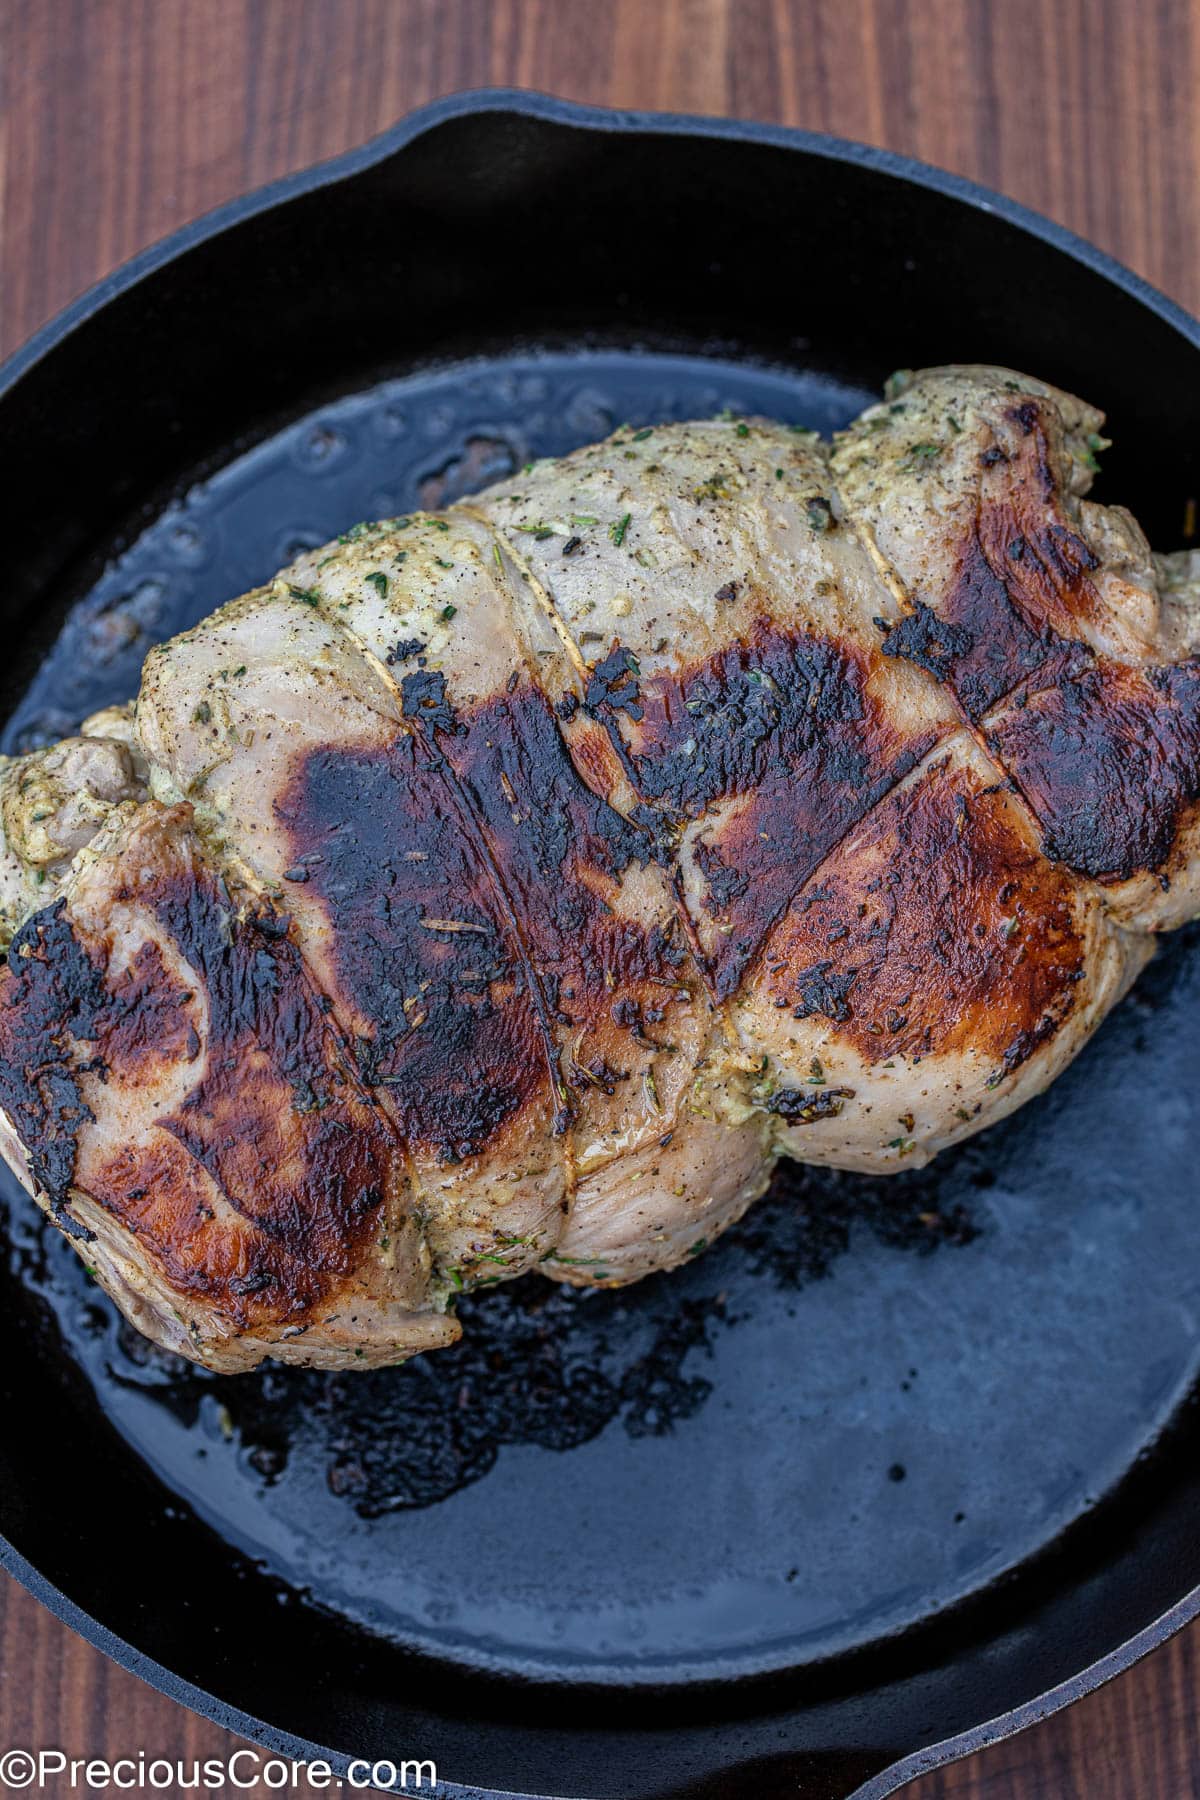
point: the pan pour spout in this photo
(510, 888)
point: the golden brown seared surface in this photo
(165, 1056)
(936, 926)
(1044, 618)
(511, 888)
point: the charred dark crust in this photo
(1020, 587)
(1109, 762)
(448, 1022)
(277, 1087)
(467, 897)
(979, 642)
(53, 995)
(423, 698)
(795, 1106)
(275, 1118)
(278, 1120)
(467, 872)
(786, 723)
(145, 1021)
(750, 714)
(613, 685)
(934, 644)
(936, 926)
(1107, 756)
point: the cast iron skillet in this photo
(895, 1469)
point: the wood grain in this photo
(119, 119)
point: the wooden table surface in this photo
(119, 119)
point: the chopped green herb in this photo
(1095, 443)
(309, 596)
(618, 528)
(639, 437)
(743, 430)
(448, 613)
(379, 582)
(584, 519)
(442, 563)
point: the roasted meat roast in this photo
(509, 888)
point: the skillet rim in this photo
(391, 142)
(533, 104)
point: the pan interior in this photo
(867, 1403)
